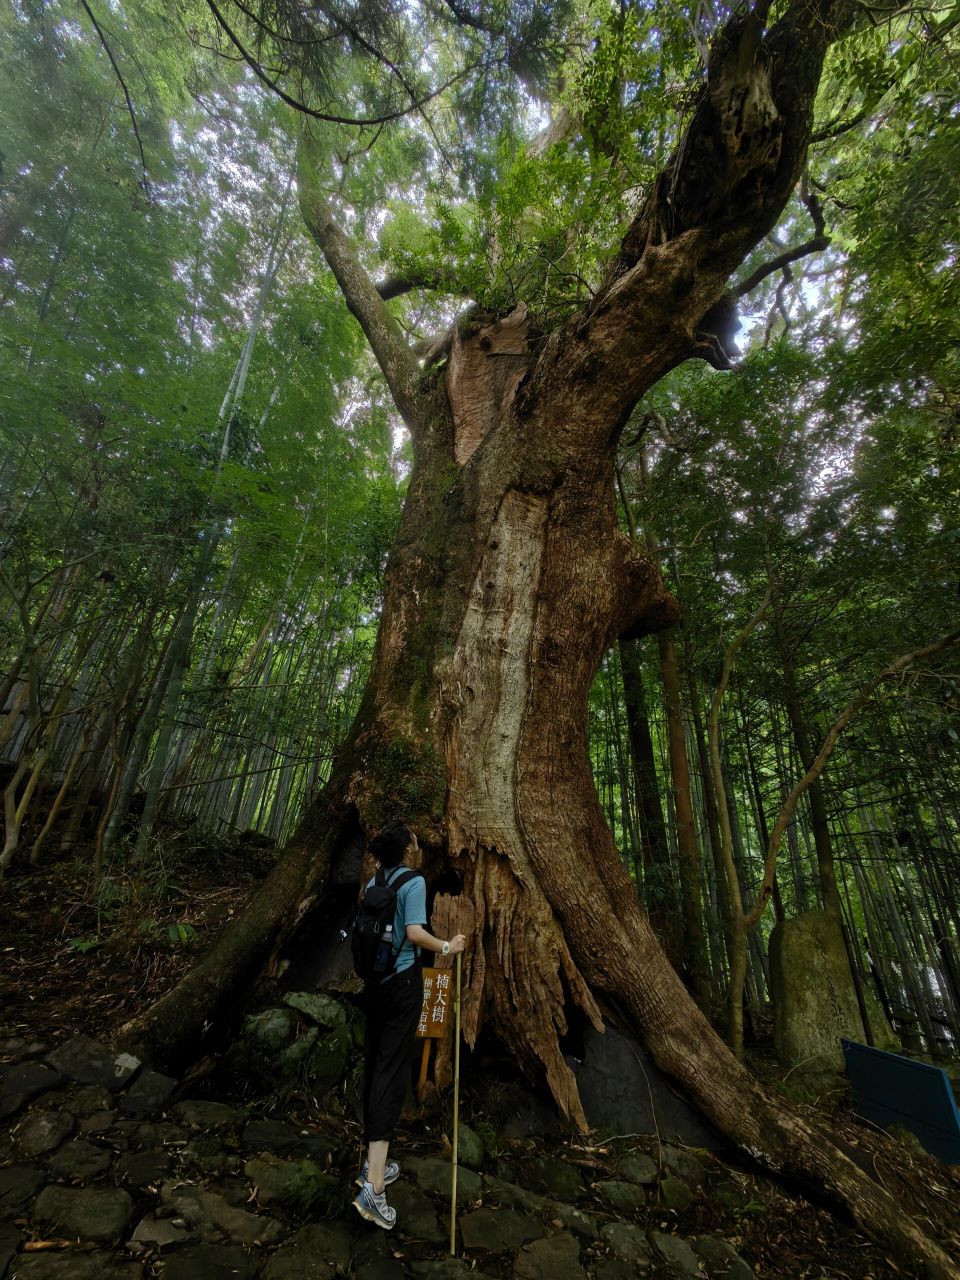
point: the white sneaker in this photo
(374, 1207)
(390, 1174)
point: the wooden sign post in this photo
(435, 1015)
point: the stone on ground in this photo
(416, 1216)
(99, 1122)
(149, 1094)
(43, 1131)
(157, 1233)
(300, 1185)
(88, 1100)
(445, 1269)
(555, 1258)
(271, 1030)
(676, 1253)
(628, 1242)
(10, 1240)
(210, 1214)
(79, 1160)
(318, 1251)
(270, 1135)
(625, 1198)
(24, 1081)
(88, 1062)
(329, 1059)
(497, 1230)
(89, 1214)
(615, 1269)
(433, 1176)
(72, 1265)
(639, 1168)
(18, 1185)
(469, 1148)
(143, 1168)
(559, 1180)
(198, 1114)
(380, 1269)
(320, 1008)
(512, 1196)
(721, 1259)
(209, 1262)
(675, 1194)
(581, 1224)
(685, 1165)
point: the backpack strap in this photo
(397, 884)
(399, 881)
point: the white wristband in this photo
(445, 949)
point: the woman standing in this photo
(393, 1004)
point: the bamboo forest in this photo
(519, 442)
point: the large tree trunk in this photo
(508, 582)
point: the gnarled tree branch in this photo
(721, 192)
(391, 350)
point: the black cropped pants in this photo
(393, 1011)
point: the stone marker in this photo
(622, 1090)
(814, 1001)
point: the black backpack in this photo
(376, 911)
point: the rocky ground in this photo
(110, 1171)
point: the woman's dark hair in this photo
(390, 844)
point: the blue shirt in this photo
(411, 909)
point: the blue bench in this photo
(890, 1089)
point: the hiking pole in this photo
(456, 1109)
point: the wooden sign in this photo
(436, 1013)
